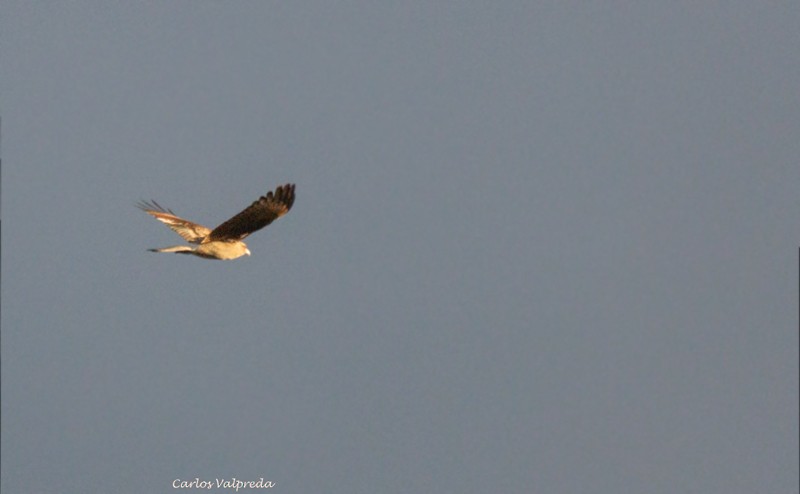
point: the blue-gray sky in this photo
(537, 246)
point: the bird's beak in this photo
(247, 251)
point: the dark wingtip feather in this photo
(284, 194)
(153, 206)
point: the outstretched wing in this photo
(261, 213)
(191, 232)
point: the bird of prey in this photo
(224, 241)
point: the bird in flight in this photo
(224, 241)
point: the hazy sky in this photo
(545, 247)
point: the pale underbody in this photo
(221, 249)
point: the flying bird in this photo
(224, 241)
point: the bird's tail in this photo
(178, 249)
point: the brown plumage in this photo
(224, 241)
